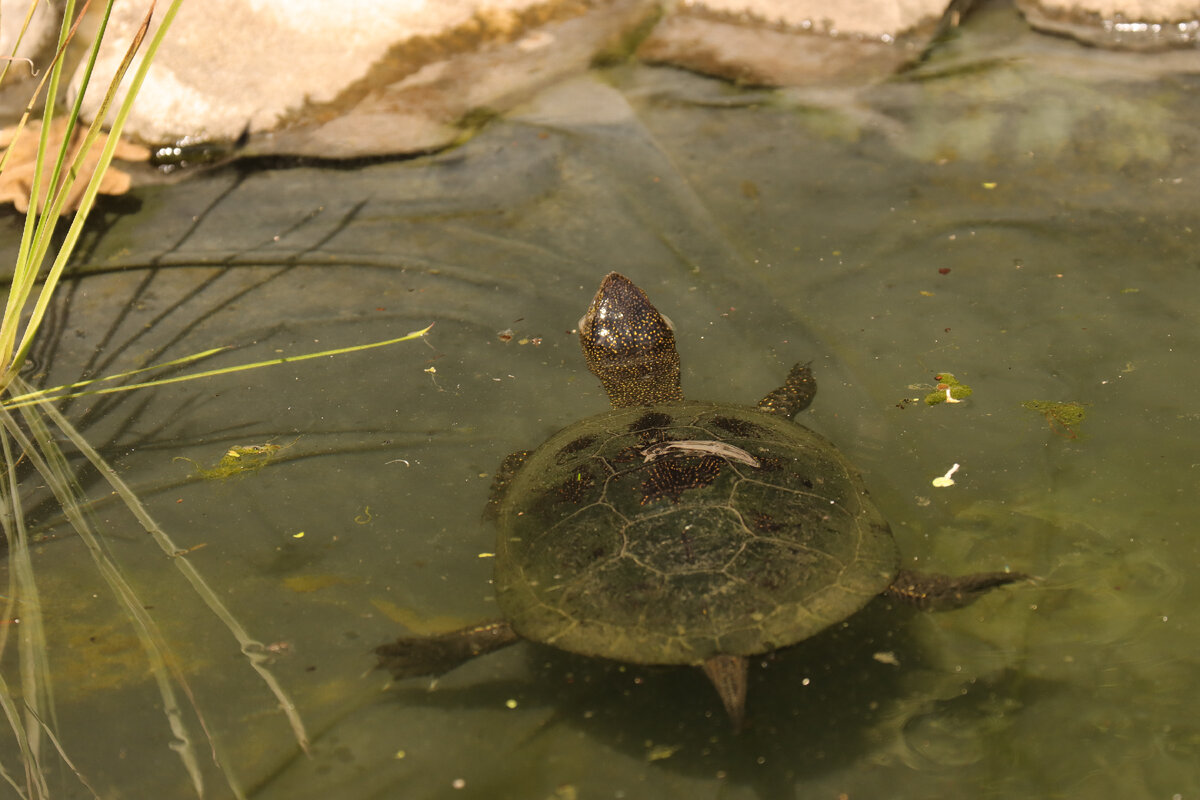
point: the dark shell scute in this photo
(650, 421)
(573, 447)
(769, 463)
(765, 523)
(669, 478)
(576, 488)
(737, 426)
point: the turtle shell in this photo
(671, 533)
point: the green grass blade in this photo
(63, 755)
(13, 716)
(23, 400)
(14, 400)
(48, 460)
(25, 269)
(31, 634)
(254, 650)
(89, 196)
(54, 207)
(32, 670)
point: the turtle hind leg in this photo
(408, 657)
(728, 674)
(794, 396)
(933, 592)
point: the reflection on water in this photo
(1019, 212)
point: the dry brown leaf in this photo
(17, 178)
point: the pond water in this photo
(1019, 211)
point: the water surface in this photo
(1019, 211)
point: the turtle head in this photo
(629, 346)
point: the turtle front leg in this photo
(794, 396)
(408, 657)
(933, 592)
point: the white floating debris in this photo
(946, 480)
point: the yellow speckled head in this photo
(629, 346)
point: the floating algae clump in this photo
(949, 390)
(238, 460)
(1064, 418)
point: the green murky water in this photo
(1019, 211)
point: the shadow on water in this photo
(814, 709)
(119, 423)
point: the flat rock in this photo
(1142, 25)
(797, 42)
(359, 78)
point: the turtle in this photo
(679, 532)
